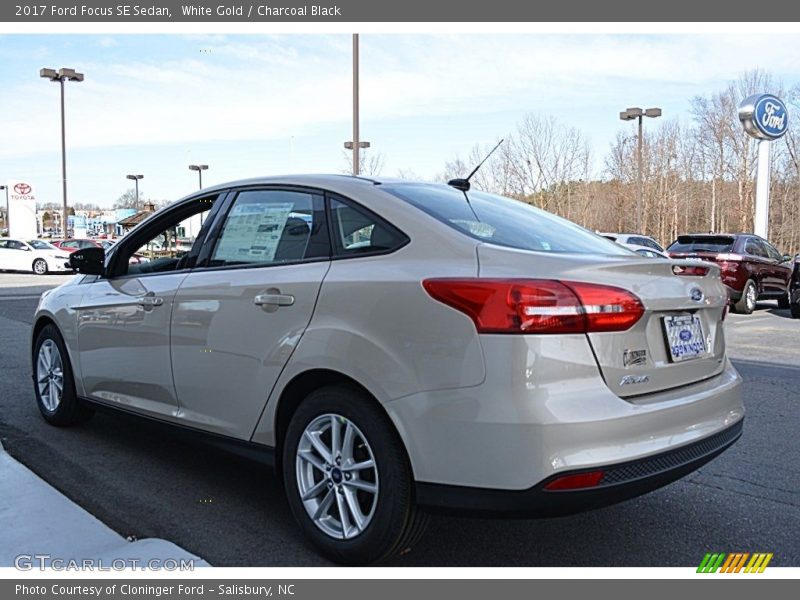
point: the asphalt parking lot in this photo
(143, 483)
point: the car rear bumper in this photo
(548, 411)
(621, 481)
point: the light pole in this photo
(629, 115)
(136, 179)
(355, 145)
(199, 169)
(61, 76)
(5, 187)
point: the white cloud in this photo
(247, 88)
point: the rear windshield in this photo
(702, 243)
(503, 221)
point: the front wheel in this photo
(40, 266)
(53, 381)
(348, 479)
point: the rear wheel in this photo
(53, 381)
(795, 308)
(348, 480)
(40, 266)
(747, 303)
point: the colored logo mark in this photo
(735, 562)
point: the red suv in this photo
(74, 244)
(752, 268)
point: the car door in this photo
(6, 256)
(781, 271)
(757, 263)
(20, 257)
(240, 313)
(123, 321)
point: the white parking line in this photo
(21, 297)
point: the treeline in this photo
(699, 173)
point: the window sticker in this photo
(253, 231)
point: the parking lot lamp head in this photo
(199, 169)
(136, 179)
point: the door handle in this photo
(273, 300)
(150, 301)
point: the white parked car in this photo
(400, 347)
(634, 241)
(32, 255)
(647, 251)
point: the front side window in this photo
(268, 227)
(772, 251)
(503, 221)
(168, 249)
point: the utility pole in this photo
(356, 145)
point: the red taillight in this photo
(538, 305)
(691, 270)
(575, 482)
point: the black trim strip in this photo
(253, 451)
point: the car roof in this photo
(341, 183)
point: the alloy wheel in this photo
(50, 375)
(751, 297)
(337, 476)
(40, 267)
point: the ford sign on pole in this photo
(764, 117)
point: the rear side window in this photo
(753, 247)
(356, 231)
(503, 221)
(267, 227)
(705, 243)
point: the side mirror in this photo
(787, 258)
(89, 261)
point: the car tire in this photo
(51, 367)
(390, 520)
(747, 303)
(784, 302)
(795, 309)
(39, 266)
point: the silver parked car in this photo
(396, 348)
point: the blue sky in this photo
(252, 105)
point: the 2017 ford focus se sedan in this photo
(398, 347)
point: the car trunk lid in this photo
(638, 361)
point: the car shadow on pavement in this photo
(780, 312)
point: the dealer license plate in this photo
(685, 338)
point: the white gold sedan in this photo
(395, 348)
(33, 255)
